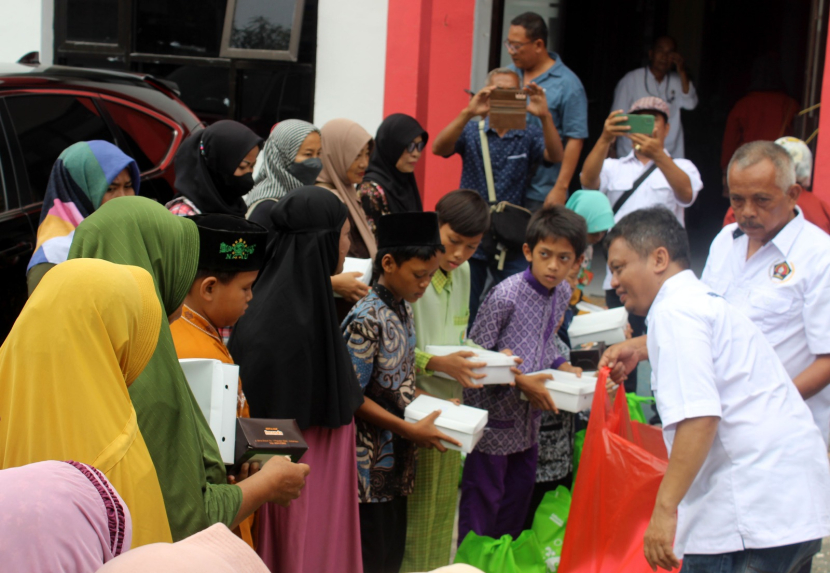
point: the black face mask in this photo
(307, 171)
(234, 186)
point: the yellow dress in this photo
(85, 335)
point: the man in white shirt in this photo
(774, 266)
(657, 80)
(747, 487)
(673, 183)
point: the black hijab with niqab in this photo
(394, 134)
(293, 359)
(205, 165)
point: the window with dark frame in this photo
(262, 29)
(269, 45)
(45, 125)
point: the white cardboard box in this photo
(215, 385)
(462, 423)
(569, 393)
(352, 265)
(498, 365)
(607, 326)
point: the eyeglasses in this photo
(413, 146)
(513, 47)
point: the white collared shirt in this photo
(641, 83)
(784, 288)
(766, 480)
(618, 176)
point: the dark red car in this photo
(45, 110)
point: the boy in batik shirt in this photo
(380, 336)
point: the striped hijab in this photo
(274, 180)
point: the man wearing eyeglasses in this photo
(657, 80)
(527, 45)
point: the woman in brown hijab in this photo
(346, 150)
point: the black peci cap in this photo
(230, 244)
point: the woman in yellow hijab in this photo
(83, 337)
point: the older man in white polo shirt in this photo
(774, 266)
(646, 177)
(747, 487)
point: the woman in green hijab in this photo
(140, 232)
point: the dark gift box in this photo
(508, 108)
(587, 356)
(260, 439)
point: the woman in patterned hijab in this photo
(291, 159)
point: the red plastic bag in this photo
(623, 463)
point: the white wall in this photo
(351, 61)
(481, 44)
(47, 29)
(20, 28)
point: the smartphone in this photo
(640, 123)
(508, 108)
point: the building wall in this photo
(351, 59)
(20, 29)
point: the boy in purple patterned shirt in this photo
(519, 315)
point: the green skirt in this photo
(431, 511)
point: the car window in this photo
(46, 125)
(149, 139)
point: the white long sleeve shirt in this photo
(641, 83)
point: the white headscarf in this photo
(274, 180)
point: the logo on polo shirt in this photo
(781, 272)
(238, 250)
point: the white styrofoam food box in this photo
(462, 423)
(498, 365)
(215, 385)
(607, 326)
(352, 265)
(569, 393)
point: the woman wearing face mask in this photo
(389, 185)
(291, 160)
(214, 169)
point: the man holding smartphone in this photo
(657, 79)
(646, 177)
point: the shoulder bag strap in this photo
(256, 204)
(488, 168)
(625, 196)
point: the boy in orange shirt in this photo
(231, 253)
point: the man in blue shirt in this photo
(513, 156)
(527, 45)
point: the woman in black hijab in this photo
(214, 169)
(295, 365)
(389, 185)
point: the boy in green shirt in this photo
(441, 318)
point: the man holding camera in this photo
(512, 154)
(646, 177)
(657, 80)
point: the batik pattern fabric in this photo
(373, 200)
(79, 179)
(556, 438)
(521, 315)
(380, 336)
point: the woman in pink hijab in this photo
(61, 517)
